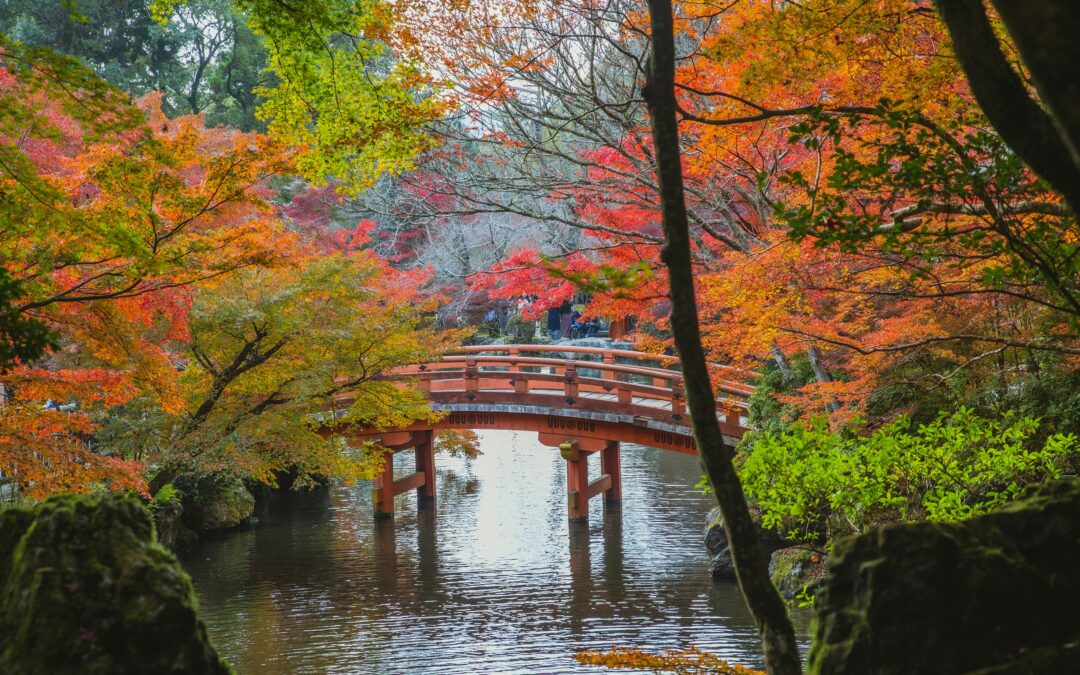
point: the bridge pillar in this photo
(611, 466)
(382, 489)
(425, 464)
(577, 481)
(578, 488)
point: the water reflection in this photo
(492, 580)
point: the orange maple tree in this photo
(113, 214)
(848, 205)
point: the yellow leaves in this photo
(274, 349)
(457, 443)
(688, 661)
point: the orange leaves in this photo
(690, 660)
(44, 427)
(109, 232)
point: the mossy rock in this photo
(217, 504)
(87, 589)
(168, 522)
(996, 594)
(796, 569)
(721, 564)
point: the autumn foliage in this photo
(145, 244)
(688, 661)
(848, 204)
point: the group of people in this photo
(565, 321)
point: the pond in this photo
(491, 580)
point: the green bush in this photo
(167, 494)
(810, 482)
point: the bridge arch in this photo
(582, 400)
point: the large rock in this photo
(996, 594)
(85, 588)
(795, 570)
(720, 562)
(168, 522)
(216, 504)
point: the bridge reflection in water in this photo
(584, 401)
(493, 580)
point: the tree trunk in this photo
(751, 567)
(782, 362)
(1045, 33)
(821, 374)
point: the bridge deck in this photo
(583, 400)
(633, 401)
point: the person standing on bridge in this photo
(554, 323)
(566, 311)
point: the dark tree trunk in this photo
(1041, 30)
(821, 374)
(782, 362)
(751, 567)
(1047, 33)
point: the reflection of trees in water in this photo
(319, 577)
(454, 486)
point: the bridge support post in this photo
(425, 464)
(578, 488)
(382, 491)
(611, 466)
(577, 481)
(384, 488)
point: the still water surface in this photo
(492, 580)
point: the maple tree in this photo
(273, 350)
(112, 213)
(847, 203)
(862, 141)
(877, 198)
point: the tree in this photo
(274, 351)
(751, 567)
(205, 59)
(21, 339)
(1046, 132)
(112, 213)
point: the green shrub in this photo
(810, 482)
(167, 494)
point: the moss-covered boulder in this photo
(997, 594)
(721, 563)
(85, 588)
(216, 504)
(796, 569)
(168, 522)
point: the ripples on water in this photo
(493, 580)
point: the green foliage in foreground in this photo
(812, 483)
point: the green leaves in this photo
(274, 349)
(22, 339)
(354, 111)
(811, 482)
(940, 193)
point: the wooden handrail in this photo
(513, 363)
(575, 349)
(521, 376)
(519, 382)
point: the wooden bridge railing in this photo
(565, 400)
(727, 378)
(472, 374)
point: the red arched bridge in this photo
(582, 400)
